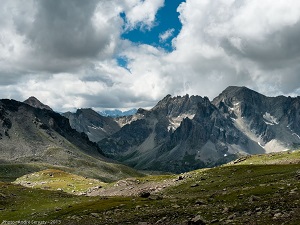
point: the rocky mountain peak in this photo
(87, 112)
(234, 94)
(34, 102)
(175, 106)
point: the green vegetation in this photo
(52, 179)
(262, 189)
(287, 157)
(10, 172)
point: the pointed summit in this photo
(34, 102)
(235, 93)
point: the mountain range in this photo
(184, 133)
(178, 134)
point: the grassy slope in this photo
(53, 179)
(233, 194)
(107, 172)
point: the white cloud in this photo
(243, 42)
(141, 13)
(166, 35)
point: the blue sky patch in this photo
(167, 25)
(123, 62)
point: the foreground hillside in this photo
(261, 189)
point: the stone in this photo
(155, 197)
(197, 220)
(175, 206)
(254, 198)
(194, 185)
(95, 215)
(232, 216)
(144, 194)
(200, 202)
(277, 215)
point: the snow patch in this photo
(260, 144)
(296, 135)
(269, 119)
(97, 128)
(122, 121)
(174, 122)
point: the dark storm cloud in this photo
(65, 29)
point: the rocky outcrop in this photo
(92, 123)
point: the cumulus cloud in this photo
(249, 43)
(141, 13)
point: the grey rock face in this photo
(273, 122)
(33, 135)
(190, 132)
(93, 124)
(27, 132)
(34, 102)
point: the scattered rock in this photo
(175, 206)
(144, 194)
(58, 209)
(97, 215)
(161, 220)
(225, 210)
(194, 185)
(277, 215)
(254, 198)
(200, 202)
(294, 191)
(155, 197)
(197, 220)
(228, 222)
(231, 217)
(2, 195)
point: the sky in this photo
(124, 54)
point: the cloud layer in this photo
(64, 52)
